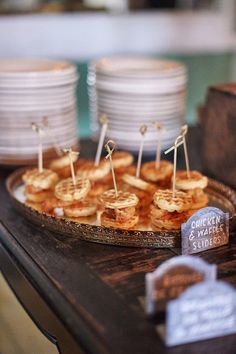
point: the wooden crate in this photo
(218, 122)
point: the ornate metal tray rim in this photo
(110, 236)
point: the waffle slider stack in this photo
(119, 209)
(123, 163)
(39, 185)
(194, 184)
(72, 197)
(161, 175)
(61, 165)
(142, 189)
(168, 212)
(99, 176)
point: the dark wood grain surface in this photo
(94, 290)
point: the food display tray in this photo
(219, 195)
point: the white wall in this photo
(88, 35)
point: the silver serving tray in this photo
(220, 196)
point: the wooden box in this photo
(218, 122)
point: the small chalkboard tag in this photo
(207, 228)
(173, 277)
(205, 310)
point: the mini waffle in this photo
(43, 180)
(80, 209)
(123, 200)
(153, 174)
(128, 224)
(164, 200)
(135, 182)
(52, 203)
(97, 189)
(65, 171)
(200, 199)
(62, 162)
(195, 180)
(130, 170)
(145, 197)
(92, 172)
(170, 224)
(37, 195)
(122, 159)
(65, 190)
(162, 219)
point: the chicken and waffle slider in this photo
(99, 176)
(160, 175)
(122, 159)
(168, 212)
(67, 191)
(123, 163)
(119, 209)
(39, 185)
(71, 197)
(164, 199)
(80, 209)
(94, 173)
(61, 165)
(193, 182)
(143, 190)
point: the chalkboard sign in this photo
(207, 228)
(203, 311)
(172, 277)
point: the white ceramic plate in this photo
(34, 82)
(35, 91)
(37, 106)
(136, 66)
(142, 89)
(141, 111)
(34, 67)
(133, 97)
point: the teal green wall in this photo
(203, 70)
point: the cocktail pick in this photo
(160, 130)
(178, 142)
(70, 152)
(104, 123)
(110, 147)
(184, 131)
(143, 130)
(52, 136)
(41, 133)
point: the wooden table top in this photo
(95, 290)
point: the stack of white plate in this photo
(29, 91)
(135, 91)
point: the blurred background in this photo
(199, 33)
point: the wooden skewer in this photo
(70, 152)
(173, 147)
(178, 142)
(143, 130)
(104, 123)
(109, 155)
(184, 131)
(160, 130)
(41, 133)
